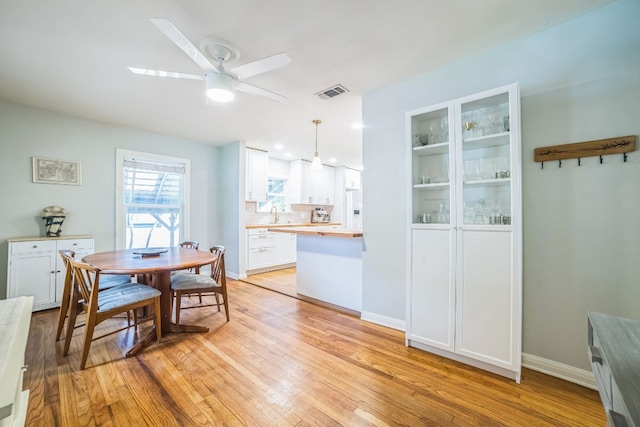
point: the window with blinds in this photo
(153, 200)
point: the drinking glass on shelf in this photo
(432, 134)
(469, 167)
(444, 129)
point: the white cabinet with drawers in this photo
(261, 246)
(15, 316)
(268, 250)
(614, 350)
(36, 269)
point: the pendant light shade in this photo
(316, 164)
(220, 87)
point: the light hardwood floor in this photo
(281, 362)
(283, 281)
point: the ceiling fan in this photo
(221, 83)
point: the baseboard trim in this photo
(559, 370)
(389, 322)
(236, 276)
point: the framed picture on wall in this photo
(52, 171)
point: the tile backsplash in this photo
(298, 214)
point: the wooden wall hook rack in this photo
(620, 145)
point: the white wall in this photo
(231, 206)
(579, 81)
(27, 132)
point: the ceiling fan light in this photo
(220, 87)
(316, 164)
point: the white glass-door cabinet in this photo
(465, 253)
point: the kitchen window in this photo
(153, 194)
(275, 195)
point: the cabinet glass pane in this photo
(486, 162)
(431, 169)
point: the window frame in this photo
(261, 205)
(120, 223)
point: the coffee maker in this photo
(318, 214)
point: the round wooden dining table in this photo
(154, 270)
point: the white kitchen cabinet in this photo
(257, 175)
(311, 187)
(285, 248)
(465, 284)
(36, 269)
(261, 248)
(15, 316)
(267, 250)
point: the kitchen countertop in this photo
(293, 224)
(320, 230)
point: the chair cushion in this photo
(122, 295)
(188, 281)
(110, 280)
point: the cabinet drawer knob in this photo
(75, 244)
(53, 272)
(34, 246)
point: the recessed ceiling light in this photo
(332, 160)
(278, 146)
(357, 125)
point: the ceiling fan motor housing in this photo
(220, 86)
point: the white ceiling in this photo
(71, 56)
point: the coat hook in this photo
(578, 161)
(559, 163)
(600, 159)
(624, 156)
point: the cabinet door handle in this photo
(53, 272)
(34, 246)
(75, 244)
(595, 355)
(262, 237)
(262, 250)
(250, 195)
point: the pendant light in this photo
(316, 165)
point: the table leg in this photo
(162, 282)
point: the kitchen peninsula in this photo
(329, 264)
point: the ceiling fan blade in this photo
(254, 90)
(160, 73)
(261, 66)
(172, 32)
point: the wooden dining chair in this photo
(214, 284)
(190, 244)
(102, 305)
(107, 281)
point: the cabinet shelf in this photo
(489, 182)
(434, 186)
(493, 140)
(429, 150)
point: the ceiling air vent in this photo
(332, 92)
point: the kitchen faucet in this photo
(276, 218)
